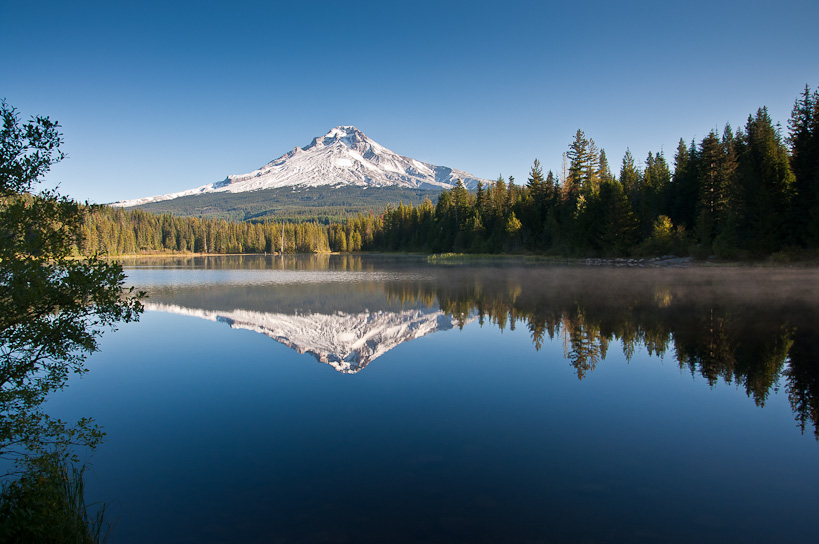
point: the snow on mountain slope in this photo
(347, 342)
(343, 156)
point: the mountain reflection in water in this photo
(757, 328)
(347, 342)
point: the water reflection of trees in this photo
(319, 262)
(754, 328)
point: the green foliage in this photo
(53, 308)
(714, 187)
(47, 505)
(803, 139)
(630, 175)
(114, 231)
(615, 226)
(655, 184)
(584, 165)
(681, 201)
(766, 185)
(665, 239)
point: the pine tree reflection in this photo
(752, 333)
(802, 379)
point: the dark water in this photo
(348, 399)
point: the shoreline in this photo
(665, 261)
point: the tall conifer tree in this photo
(767, 182)
(803, 139)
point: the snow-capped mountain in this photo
(345, 156)
(347, 342)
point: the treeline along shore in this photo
(745, 193)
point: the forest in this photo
(748, 193)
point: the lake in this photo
(347, 399)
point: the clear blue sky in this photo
(156, 97)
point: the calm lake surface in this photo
(367, 399)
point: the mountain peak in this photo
(346, 134)
(343, 130)
(344, 156)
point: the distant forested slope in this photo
(322, 204)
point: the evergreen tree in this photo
(685, 189)
(584, 165)
(535, 181)
(649, 201)
(767, 180)
(603, 171)
(630, 176)
(717, 166)
(592, 169)
(538, 200)
(550, 225)
(803, 139)
(617, 229)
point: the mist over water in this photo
(368, 399)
